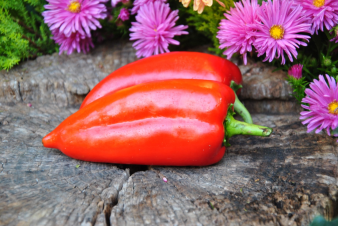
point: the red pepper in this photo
(173, 65)
(173, 122)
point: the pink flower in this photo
(124, 14)
(323, 106)
(138, 3)
(154, 29)
(237, 32)
(71, 16)
(280, 30)
(75, 41)
(296, 71)
(320, 12)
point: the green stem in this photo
(233, 127)
(242, 111)
(238, 106)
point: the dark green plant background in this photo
(23, 33)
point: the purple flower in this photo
(154, 29)
(124, 14)
(138, 3)
(323, 106)
(71, 16)
(320, 13)
(75, 41)
(296, 71)
(237, 32)
(280, 30)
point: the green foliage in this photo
(23, 34)
(112, 27)
(320, 221)
(208, 21)
(260, 1)
(298, 86)
(194, 38)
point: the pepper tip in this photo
(49, 140)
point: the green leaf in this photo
(21, 38)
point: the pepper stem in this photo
(238, 106)
(234, 127)
(242, 111)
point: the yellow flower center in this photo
(74, 7)
(277, 32)
(318, 3)
(333, 107)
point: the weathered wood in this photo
(40, 186)
(285, 179)
(265, 90)
(65, 80)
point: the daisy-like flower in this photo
(323, 106)
(296, 71)
(320, 12)
(75, 41)
(237, 31)
(280, 30)
(154, 29)
(124, 14)
(138, 3)
(71, 16)
(198, 4)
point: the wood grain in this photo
(286, 179)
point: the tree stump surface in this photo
(285, 179)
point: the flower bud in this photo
(334, 70)
(124, 14)
(296, 71)
(313, 61)
(327, 62)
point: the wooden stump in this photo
(285, 179)
(40, 186)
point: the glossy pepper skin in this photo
(173, 65)
(173, 122)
